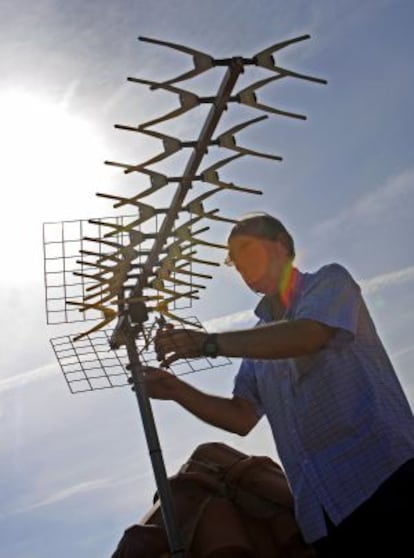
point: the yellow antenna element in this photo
(127, 251)
(99, 265)
(196, 206)
(200, 261)
(169, 265)
(158, 181)
(171, 145)
(169, 275)
(181, 270)
(121, 253)
(248, 97)
(162, 308)
(227, 139)
(265, 59)
(109, 315)
(211, 175)
(198, 209)
(145, 211)
(94, 277)
(158, 285)
(122, 200)
(157, 184)
(202, 62)
(184, 233)
(187, 100)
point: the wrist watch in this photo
(210, 348)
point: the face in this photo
(259, 261)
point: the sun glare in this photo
(47, 151)
(51, 166)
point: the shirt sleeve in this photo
(245, 386)
(334, 299)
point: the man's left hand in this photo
(172, 344)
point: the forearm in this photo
(221, 412)
(276, 340)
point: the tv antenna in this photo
(128, 273)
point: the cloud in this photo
(82, 488)
(385, 280)
(236, 320)
(19, 380)
(403, 352)
(67, 493)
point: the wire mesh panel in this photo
(89, 364)
(68, 277)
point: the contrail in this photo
(387, 280)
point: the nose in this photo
(252, 264)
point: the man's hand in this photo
(159, 383)
(172, 344)
(235, 415)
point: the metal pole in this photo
(167, 506)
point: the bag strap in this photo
(255, 502)
(236, 471)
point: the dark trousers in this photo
(382, 526)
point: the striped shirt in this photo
(340, 419)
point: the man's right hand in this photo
(159, 383)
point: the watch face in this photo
(210, 347)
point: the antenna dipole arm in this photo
(191, 169)
(202, 61)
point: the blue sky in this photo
(74, 469)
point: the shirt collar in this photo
(263, 309)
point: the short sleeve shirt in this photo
(340, 419)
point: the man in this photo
(316, 368)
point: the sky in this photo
(74, 469)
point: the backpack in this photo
(228, 505)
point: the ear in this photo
(280, 249)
